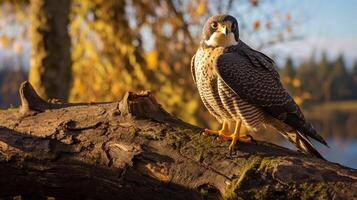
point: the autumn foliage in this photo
(121, 45)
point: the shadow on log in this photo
(133, 149)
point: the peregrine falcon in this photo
(238, 83)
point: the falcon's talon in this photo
(252, 139)
(223, 134)
(231, 148)
(220, 133)
(225, 137)
(231, 151)
(246, 139)
(233, 143)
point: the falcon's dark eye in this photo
(214, 25)
(233, 27)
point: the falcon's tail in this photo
(297, 138)
(301, 142)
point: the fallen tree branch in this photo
(133, 149)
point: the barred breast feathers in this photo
(220, 100)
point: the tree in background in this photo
(292, 83)
(325, 77)
(341, 81)
(50, 64)
(125, 45)
(354, 80)
(107, 57)
(321, 81)
(120, 45)
(288, 74)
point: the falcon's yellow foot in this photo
(224, 132)
(237, 137)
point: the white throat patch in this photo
(218, 39)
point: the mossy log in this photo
(133, 149)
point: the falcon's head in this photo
(220, 31)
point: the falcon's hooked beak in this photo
(223, 29)
(222, 35)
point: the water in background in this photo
(338, 127)
(341, 151)
(337, 123)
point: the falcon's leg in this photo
(224, 132)
(237, 137)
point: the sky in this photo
(328, 25)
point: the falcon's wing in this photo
(193, 68)
(252, 76)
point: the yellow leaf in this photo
(296, 82)
(4, 41)
(115, 88)
(201, 8)
(298, 100)
(165, 68)
(18, 47)
(151, 59)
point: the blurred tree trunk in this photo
(50, 66)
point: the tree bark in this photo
(50, 66)
(133, 149)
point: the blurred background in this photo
(95, 50)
